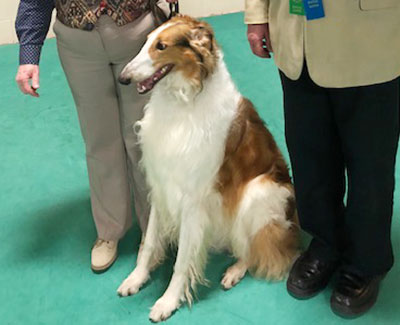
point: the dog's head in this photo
(182, 46)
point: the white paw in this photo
(132, 284)
(163, 309)
(232, 277)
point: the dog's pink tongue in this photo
(148, 84)
(145, 85)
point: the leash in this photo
(174, 9)
(160, 16)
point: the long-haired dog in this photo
(216, 175)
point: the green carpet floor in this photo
(46, 229)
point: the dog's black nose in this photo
(124, 81)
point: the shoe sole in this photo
(102, 269)
(300, 294)
(350, 313)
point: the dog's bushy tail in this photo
(273, 249)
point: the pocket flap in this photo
(378, 4)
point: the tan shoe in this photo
(104, 254)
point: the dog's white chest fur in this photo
(183, 143)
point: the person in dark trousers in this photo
(340, 68)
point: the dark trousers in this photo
(334, 133)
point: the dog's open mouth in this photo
(149, 83)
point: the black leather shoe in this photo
(354, 295)
(309, 276)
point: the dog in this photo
(216, 176)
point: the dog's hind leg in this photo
(265, 231)
(150, 254)
(190, 261)
(234, 274)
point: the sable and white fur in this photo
(199, 136)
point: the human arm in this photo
(32, 24)
(256, 17)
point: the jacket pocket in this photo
(378, 4)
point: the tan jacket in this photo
(356, 44)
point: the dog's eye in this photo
(161, 46)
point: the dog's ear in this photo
(202, 36)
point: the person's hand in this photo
(260, 42)
(28, 79)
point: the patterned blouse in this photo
(34, 17)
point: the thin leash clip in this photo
(174, 9)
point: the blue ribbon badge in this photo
(314, 9)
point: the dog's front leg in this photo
(150, 253)
(189, 265)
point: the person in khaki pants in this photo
(340, 70)
(95, 40)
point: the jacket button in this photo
(88, 27)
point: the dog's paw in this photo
(232, 276)
(163, 308)
(132, 284)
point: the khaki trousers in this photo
(92, 61)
